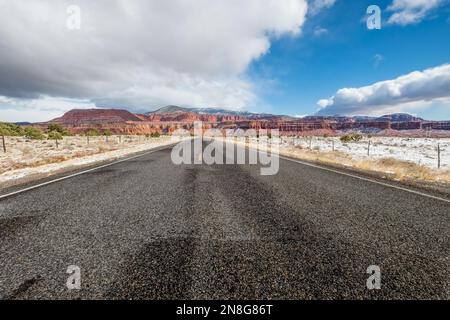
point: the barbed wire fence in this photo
(432, 152)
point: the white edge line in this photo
(365, 179)
(354, 176)
(2, 197)
(165, 147)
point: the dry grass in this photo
(26, 151)
(22, 153)
(389, 167)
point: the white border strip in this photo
(365, 179)
(171, 145)
(2, 197)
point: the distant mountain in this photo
(170, 117)
(364, 118)
(169, 109)
(185, 115)
(220, 113)
(327, 118)
(79, 116)
(399, 117)
(210, 111)
(395, 117)
(214, 111)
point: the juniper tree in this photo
(55, 135)
(107, 133)
(3, 133)
(92, 133)
(34, 133)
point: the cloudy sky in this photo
(281, 56)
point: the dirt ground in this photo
(387, 165)
(25, 158)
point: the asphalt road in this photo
(148, 229)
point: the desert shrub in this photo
(55, 135)
(354, 137)
(26, 151)
(92, 133)
(10, 129)
(155, 135)
(56, 127)
(107, 133)
(34, 133)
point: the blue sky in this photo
(311, 67)
(294, 57)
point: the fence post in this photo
(439, 155)
(310, 143)
(4, 144)
(368, 149)
(332, 141)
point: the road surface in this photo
(148, 229)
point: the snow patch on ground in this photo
(72, 148)
(421, 151)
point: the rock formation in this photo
(168, 119)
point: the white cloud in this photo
(144, 53)
(411, 11)
(318, 5)
(323, 103)
(41, 109)
(419, 89)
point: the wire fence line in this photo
(430, 152)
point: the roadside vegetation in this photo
(33, 133)
(107, 134)
(31, 149)
(56, 127)
(91, 133)
(388, 166)
(354, 137)
(55, 135)
(10, 129)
